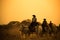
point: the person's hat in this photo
(34, 15)
(44, 19)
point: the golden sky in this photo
(18, 10)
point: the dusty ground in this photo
(14, 34)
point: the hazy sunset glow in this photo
(18, 10)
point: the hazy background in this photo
(18, 10)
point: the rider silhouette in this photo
(34, 19)
(51, 26)
(44, 25)
(59, 27)
(33, 23)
